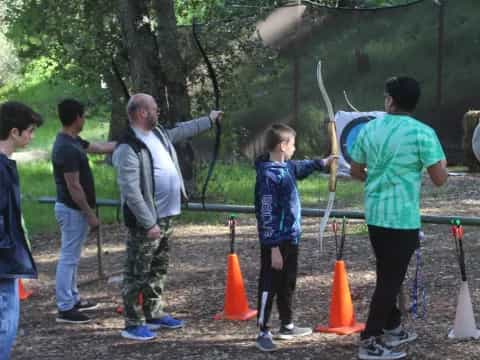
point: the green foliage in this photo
(311, 128)
(77, 36)
(402, 41)
(40, 89)
(186, 10)
(9, 64)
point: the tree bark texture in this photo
(156, 66)
(118, 114)
(173, 66)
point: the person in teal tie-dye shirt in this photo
(390, 155)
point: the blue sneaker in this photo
(140, 332)
(264, 342)
(166, 322)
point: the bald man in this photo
(151, 185)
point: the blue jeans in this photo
(9, 313)
(74, 228)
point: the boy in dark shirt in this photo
(74, 208)
(278, 211)
(396, 149)
(17, 125)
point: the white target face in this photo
(349, 125)
(350, 134)
(476, 142)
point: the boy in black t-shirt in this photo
(74, 208)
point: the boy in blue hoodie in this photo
(17, 125)
(277, 207)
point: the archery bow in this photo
(332, 183)
(218, 129)
(347, 100)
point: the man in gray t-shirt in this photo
(151, 184)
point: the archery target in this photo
(476, 142)
(349, 125)
(350, 134)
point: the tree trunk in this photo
(156, 66)
(141, 47)
(173, 66)
(118, 114)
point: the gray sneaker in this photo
(398, 336)
(265, 343)
(287, 334)
(374, 349)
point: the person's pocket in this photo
(62, 216)
(128, 217)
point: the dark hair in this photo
(68, 110)
(277, 133)
(16, 115)
(405, 92)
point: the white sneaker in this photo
(374, 349)
(291, 332)
(398, 336)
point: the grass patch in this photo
(39, 89)
(235, 184)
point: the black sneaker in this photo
(72, 316)
(374, 349)
(84, 305)
(286, 333)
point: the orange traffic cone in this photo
(236, 303)
(22, 292)
(342, 315)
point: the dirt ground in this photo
(195, 292)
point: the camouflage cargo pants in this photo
(145, 272)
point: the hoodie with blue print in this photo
(277, 201)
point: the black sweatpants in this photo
(279, 283)
(393, 249)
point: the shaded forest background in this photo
(264, 59)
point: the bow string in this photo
(334, 151)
